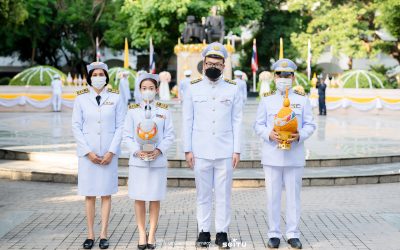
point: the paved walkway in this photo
(51, 216)
(337, 136)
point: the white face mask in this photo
(283, 83)
(98, 81)
(148, 95)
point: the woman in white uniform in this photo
(148, 162)
(97, 121)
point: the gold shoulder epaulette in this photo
(115, 91)
(162, 105)
(82, 91)
(230, 81)
(133, 106)
(196, 81)
(299, 92)
(265, 94)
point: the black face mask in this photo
(213, 73)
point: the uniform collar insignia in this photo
(115, 91)
(299, 92)
(229, 81)
(196, 81)
(268, 93)
(161, 105)
(82, 91)
(133, 106)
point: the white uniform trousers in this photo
(213, 175)
(56, 102)
(291, 179)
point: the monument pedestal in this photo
(189, 58)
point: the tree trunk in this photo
(33, 56)
(350, 63)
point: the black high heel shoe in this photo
(142, 246)
(88, 244)
(152, 246)
(104, 244)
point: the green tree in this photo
(12, 12)
(275, 24)
(81, 23)
(35, 39)
(60, 29)
(344, 26)
(388, 17)
(163, 20)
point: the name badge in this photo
(295, 106)
(108, 103)
(161, 116)
(226, 101)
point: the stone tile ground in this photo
(37, 215)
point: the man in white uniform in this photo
(212, 115)
(241, 84)
(183, 85)
(123, 87)
(283, 168)
(56, 85)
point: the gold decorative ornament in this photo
(285, 123)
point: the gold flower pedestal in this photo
(285, 123)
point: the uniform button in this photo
(213, 109)
(213, 133)
(213, 121)
(98, 121)
(213, 98)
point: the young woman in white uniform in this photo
(148, 169)
(97, 121)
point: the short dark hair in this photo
(215, 57)
(89, 81)
(151, 80)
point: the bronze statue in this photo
(212, 28)
(215, 26)
(194, 32)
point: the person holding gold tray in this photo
(148, 133)
(284, 121)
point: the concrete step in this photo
(52, 157)
(184, 177)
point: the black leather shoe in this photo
(295, 243)
(273, 242)
(221, 240)
(142, 246)
(204, 239)
(88, 244)
(104, 244)
(152, 246)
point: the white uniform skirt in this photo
(97, 180)
(147, 183)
